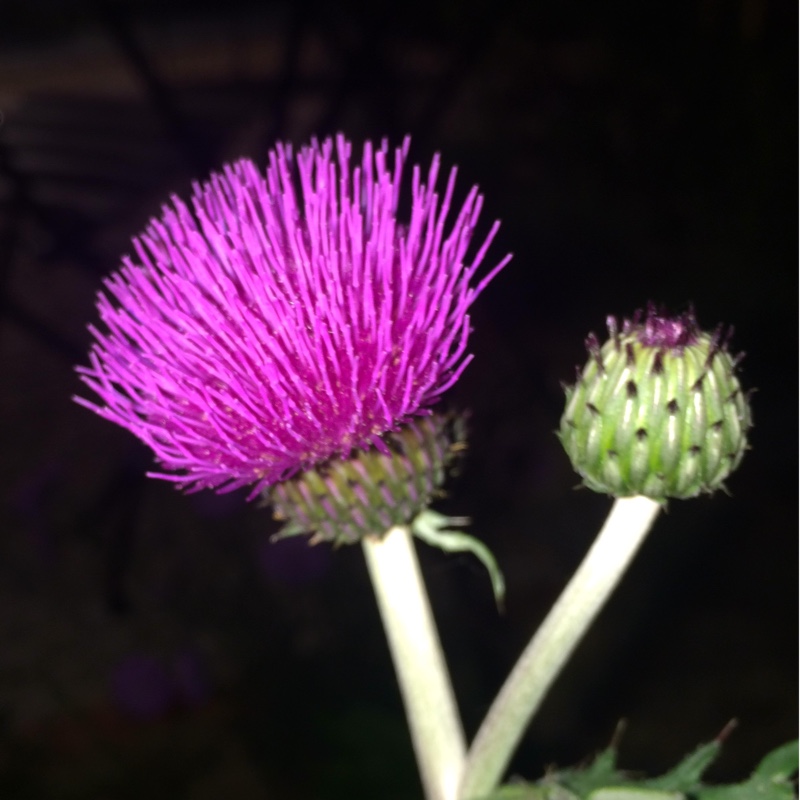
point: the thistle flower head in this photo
(288, 318)
(657, 410)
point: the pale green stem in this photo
(624, 530)
(433, 719)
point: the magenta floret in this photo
(656, 328)
(289, 318)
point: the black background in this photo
(153, 644)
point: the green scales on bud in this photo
(369, 492)
(657, 410)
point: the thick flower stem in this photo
(430, 706)
(624, 530)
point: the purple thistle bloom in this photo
(290, 319)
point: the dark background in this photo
(153, 644)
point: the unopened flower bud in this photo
(658, 409)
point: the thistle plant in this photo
(656, 413)
(293, 332)
(290, 333)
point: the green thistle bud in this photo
(657, 410)
(345, 499)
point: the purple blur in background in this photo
(145, 687)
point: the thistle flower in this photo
(658, 409)
(289, 318)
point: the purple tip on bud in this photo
(656, 329)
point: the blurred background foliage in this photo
(155, 645)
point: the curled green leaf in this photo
(432, 528)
